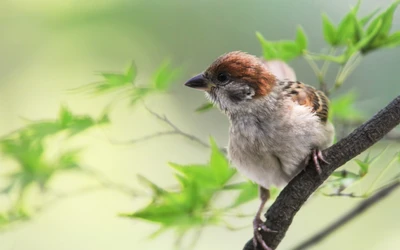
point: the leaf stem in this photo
(346, 70)
(312, 64)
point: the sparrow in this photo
(276, 124)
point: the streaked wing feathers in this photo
(307, 96)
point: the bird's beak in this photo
(199, 82)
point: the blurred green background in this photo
(48, 47)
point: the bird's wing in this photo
(307, 96)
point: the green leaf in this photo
(364, 167)
(197, 173)
(248, 192)
(386, 18)
(38, 131)
(269, 51)
(65, 116)
(157, 191)
(392, 41)
(342, 108)
(364, 20)
(212, 176)
(357, 7)
(104, 119)
(189, 206)
(173, 209)
(11, 216)
(358, 29)
(165, 76)
(180, 209)
(69, 159)
(75, 124)
(329, 30)
(288, 50)
(137, 94)
(301, 39)
(365, 42)
(130, 73)
(346, 29)
(204, 107)
(80, 124)
(111, 82)
(284, 50)
(220, 165)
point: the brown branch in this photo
(358, 210)
(344, 128)
(280, 215)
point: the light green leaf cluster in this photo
(341, 109)
(125, 84)
(284, 50)
(27, 147)
(362, 35)
(9, 217)
(343, 179)
(191, 205)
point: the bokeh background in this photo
(48, 47)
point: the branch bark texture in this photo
(280, 215)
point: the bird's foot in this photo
(317, 156)
(259, 225)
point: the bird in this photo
(277, 125)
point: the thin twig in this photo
(350, 195)
(326, 64)
(105, 182)
(358, 210)
(149, 137)
(175, 131)
(324, 69)
(178, 130)
(312, 64)
(58, 196)
(346, 70)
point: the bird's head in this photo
(234, 80)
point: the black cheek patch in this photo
(236, 95)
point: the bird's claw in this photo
(258, 225)
(317, 156)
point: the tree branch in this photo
(362, 207)
(280, 215)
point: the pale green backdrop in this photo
(47, 47)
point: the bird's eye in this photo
(222, 77)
